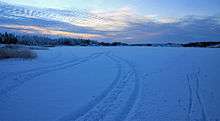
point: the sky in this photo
(168, 8)
(130, 21)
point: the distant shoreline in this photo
(8, 38)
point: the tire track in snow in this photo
(14, 74)
(133, 97)
(6, 75)
(111, 103)
(107, 105)
(22, 77)
(106, 109)
(85, 109)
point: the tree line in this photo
(8, 38)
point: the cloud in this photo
(123, 24)
(46, 31)
(187, 29)
(114, 20)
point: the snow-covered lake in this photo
(112, 84)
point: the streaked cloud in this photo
(114, 20)
(46, 31)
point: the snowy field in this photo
(112, 84)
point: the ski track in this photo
(194, 89)
(110, 101)
(190, 98)
(204, 117)
(21, 77)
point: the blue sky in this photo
(168, 8)
(132, 21)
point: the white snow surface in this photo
(112, 84)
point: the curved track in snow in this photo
(21, 77)
(116, 101)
